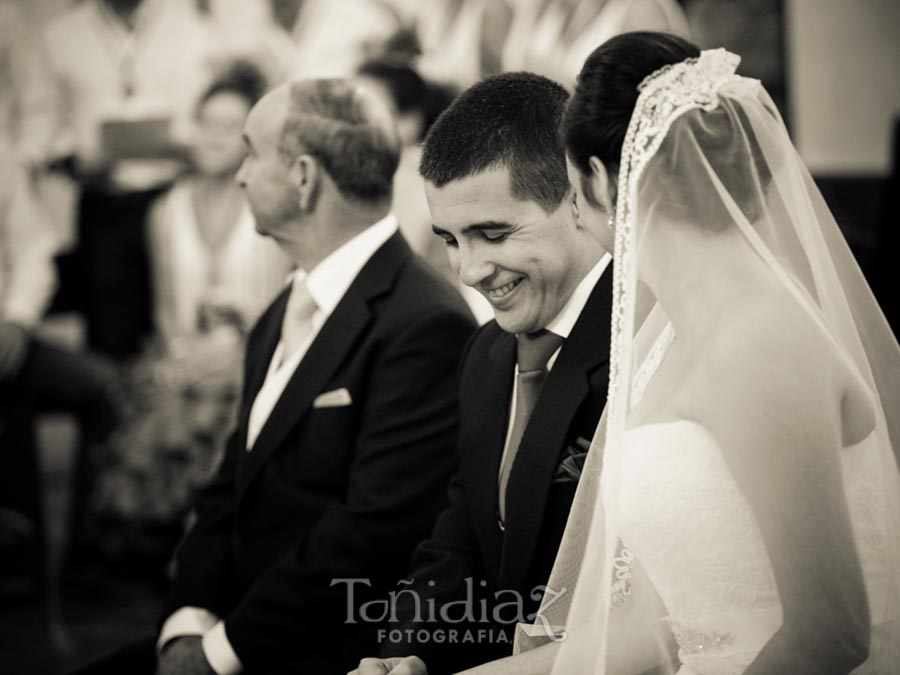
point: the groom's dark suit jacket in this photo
(467, 541)
(332, 492)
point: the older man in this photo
(346, 433)
(532, 383)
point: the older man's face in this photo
(264, 175)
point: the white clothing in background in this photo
(245, 273)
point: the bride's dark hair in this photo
(598, 114)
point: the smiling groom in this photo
(533, 382)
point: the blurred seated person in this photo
(213, 274)
(36, 376)
(416, 104)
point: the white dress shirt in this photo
(327, 283)
(561, 325)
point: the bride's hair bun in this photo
(718, 142)
(598, 114)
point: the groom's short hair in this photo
(510, 120)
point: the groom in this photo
(533, 382)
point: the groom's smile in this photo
(498, 293)
(524, 260)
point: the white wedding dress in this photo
(687, 522)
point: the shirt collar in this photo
(329, 280)
(564, 322)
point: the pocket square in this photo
(333, 399)
(570, 468)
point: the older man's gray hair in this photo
(348, 130)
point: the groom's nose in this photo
(473, 265)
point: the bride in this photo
(746, 516)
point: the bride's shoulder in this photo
(773, 342)
(772, 367)
(770, 325)
(779, 354)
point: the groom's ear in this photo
(603, 184)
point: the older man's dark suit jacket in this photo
(334, 492)
(467, 540)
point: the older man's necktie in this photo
(297, 323)
(533, 351)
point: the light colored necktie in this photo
(297, 323)
(533, 351)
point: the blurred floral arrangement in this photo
(179, 406)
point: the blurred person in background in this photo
(248, 30)
(554, 37)
(27, 282)
(123, 76)
(213, 274)
(23, 83)
(460, 40)
(36, 376)
(209, 263)
(333, 38)
(463, 41)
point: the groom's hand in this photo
(408, 665)
(184, 656)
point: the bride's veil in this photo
(706, 148)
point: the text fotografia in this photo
(505, 607)
(450, 636)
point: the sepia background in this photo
(129, 409)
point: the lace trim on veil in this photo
(665, 95)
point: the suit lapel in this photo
(487, 405)
(336, 339)
(565, 389)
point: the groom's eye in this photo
(494, 237)
(449, 239)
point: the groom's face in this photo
(525, 261)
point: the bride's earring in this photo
(611, 221)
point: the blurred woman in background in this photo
(210, 267)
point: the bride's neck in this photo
(696, 277)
